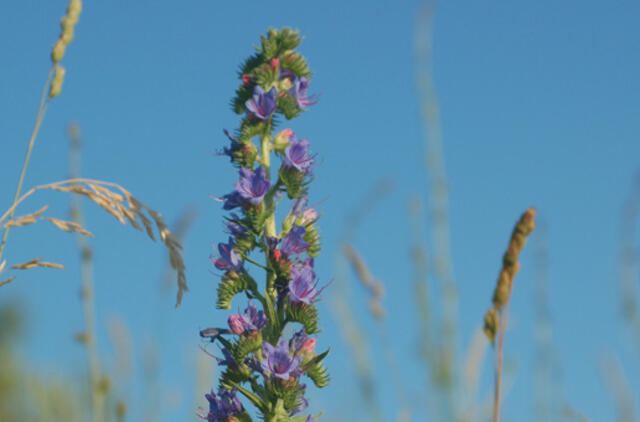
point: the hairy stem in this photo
(44, 102)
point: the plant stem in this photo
(44, 102)
(86, 255)
(499, 358)
(270, 224)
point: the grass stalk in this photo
(42, 110)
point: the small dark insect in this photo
(212, 333)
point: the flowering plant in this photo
(260, 363)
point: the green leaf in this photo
(254, 399)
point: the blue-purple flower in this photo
(277, 362)
(302, 287)
(262, 105)
(228, 259)
(299, 92)
(234, 228)
(297, 155)
(253, 185)
(222, 406)
(252, 319)
(294, 243)
(301, 343)
(231, 200)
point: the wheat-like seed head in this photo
(118, 202)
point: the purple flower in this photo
(287, 74)
(302, 287)
(229, 259)
(232, 200)
(303, 403)
(298, 206)
(228, 360)
(299, 92)
(253, 185)
(252, 319)
(277, 361)
(296, 155)
(225, 405)
(234, 228)
(261, 104)
(294, 243)
(301, 343)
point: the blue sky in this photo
(539, 107)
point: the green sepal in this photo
(244, 154)
(312, 237)
(249, 64)
(231, 284)
(296, 63)
(243, 93)
(307, 315)
(294, 181)
(256, 216)
(288, 106)
(276, 42)
(318, 373)
(288, 392)
(265, 75)
(248, 344)
(249, 129)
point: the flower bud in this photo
(281, 141)
(235, 324)
(308, 346)
(246, 80)
(56, 84)
(308, 216)
(275, 63)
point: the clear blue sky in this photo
(539, 104)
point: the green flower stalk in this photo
(260, 363)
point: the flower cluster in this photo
(259, 362)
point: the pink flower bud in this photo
(281, 140)
(308, 346)
(235, 324)
(246, 79)
(309, 215)
(275, 63)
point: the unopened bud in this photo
(308, 346)
(309, 215)
(275, 63)
(281, 141)
(56, 84)
(235, 324)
